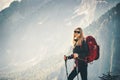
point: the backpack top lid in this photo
(92, 39)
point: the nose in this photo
(76, 34)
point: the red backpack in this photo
(93, 49)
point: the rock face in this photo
(106, 30)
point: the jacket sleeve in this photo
(70, 57)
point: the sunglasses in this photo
(77, 32)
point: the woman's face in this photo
(77, 34)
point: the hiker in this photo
(80, 51)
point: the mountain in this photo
(34, 38)
(25, 29)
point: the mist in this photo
(35, 35)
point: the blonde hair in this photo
(80, 37)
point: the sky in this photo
(5, 3)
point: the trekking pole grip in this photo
(65, 58)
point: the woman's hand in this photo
(75, 55)
(65, 57)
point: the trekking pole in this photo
(77, 72)
(66, 68)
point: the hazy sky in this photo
(5, 3)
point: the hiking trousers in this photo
(82, 70)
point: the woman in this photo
(80, 51)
